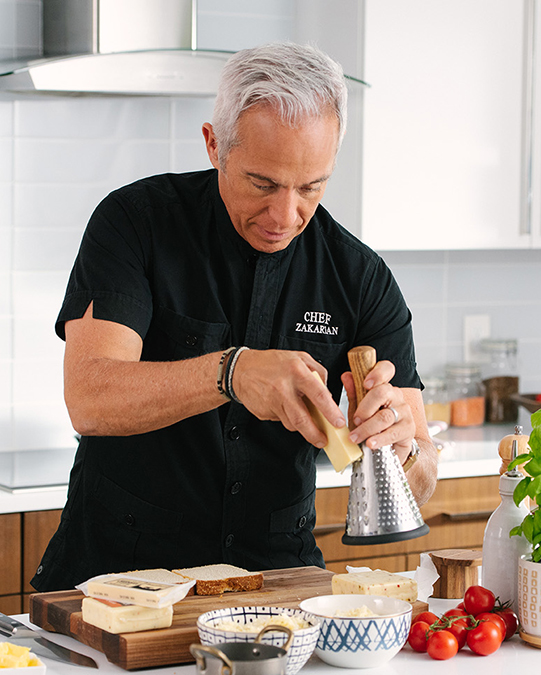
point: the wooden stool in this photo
(458, 570)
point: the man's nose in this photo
(284, 208)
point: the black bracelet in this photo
(220, 375)
(228, 379)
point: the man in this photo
(193, 452)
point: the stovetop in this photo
(35, 470)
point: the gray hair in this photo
(298, 81)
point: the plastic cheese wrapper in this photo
(130, 590)
(425, 575)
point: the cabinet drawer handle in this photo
(329, 529)
(468, 515)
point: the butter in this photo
(340, 450)
(16, 656)
(114, 617)
(375, 582)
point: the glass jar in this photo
(500, 377)
(466, 394)
(436, 402)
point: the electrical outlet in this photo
(476, 328)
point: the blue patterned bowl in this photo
(359, 642)
(300, 650)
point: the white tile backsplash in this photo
(59, 156)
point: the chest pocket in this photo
(333, 356)
(183, 337)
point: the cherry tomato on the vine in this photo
(442, 645)
(459, 629)
(511, 621)
(478, 599)
(496, 619)
(484, 639)
(417, 636)
(457, 611)
(429, 617)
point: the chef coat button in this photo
(191, 340)
(129, 519)
(302, 521)
(236, 487)
(39, 570)
(234, 433)
(229, 540)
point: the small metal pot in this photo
(243, 658)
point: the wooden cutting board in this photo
(60, 612)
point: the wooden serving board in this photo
(60, 612)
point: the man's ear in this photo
(211, 144)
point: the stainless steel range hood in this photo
(135, 47)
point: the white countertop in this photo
(513, 656)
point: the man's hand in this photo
(272, 384)
(372, 420)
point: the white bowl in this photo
(359, 642)
(302, 645)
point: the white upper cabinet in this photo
(446, 157)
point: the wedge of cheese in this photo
(340, 450)
(375, 582)
(114, 617)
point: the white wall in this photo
(60, 155)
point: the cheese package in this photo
(132, 590)
(375, 582)
(115, 617)
(340, 450)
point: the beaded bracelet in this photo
(229, 373)
(220, 375)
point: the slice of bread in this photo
(160, 575)
(220, 578)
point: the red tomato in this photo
(484, 639)
(442, 645)
(511, 621)
(478, 599)
(429, 617)
(417, 636)
(457, 611)
(459, 629)
(492, 616)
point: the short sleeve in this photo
(386, 325)
(111, 269)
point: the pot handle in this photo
(274, 627)
(199, 651)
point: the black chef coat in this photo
(162, 257)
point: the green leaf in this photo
(534, 488)
(527, 527)
(521, 490)
(533, 467)
(536, 419)
(535, 441)
(537, 540)
(536, 555)
(519, 459)
(516, 531)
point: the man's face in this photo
(276, 176)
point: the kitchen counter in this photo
(513, 656)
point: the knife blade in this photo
(27, 637)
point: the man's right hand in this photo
(271, 384)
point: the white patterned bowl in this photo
(359, 642)
(300, 650)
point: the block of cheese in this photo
(375, 582)
(114, 617)
(340, 450)
(132, 590)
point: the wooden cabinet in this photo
(456, 515)
(10, 562)
(23, 539)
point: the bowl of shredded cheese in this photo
(359, 631)
(243, 624)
